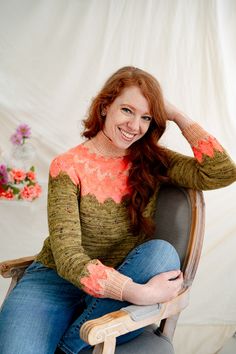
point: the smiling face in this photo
(127, 118)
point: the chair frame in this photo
(102, 332)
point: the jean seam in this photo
(77, 327)
(79, 303)
(65, 347)
(138, 250)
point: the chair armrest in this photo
(9, 268)
(114, 324)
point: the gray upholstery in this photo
(173, 219)
(147, 343)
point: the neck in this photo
(102, 145)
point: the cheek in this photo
(108, 123)
(112, 118)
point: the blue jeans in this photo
(45, 311)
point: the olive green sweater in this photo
(89, 227)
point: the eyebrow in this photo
(130, 105)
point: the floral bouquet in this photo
(17, 183)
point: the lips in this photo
(127, 135)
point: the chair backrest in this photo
(180, 220)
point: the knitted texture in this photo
(89, 227)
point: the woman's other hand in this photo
(161, 288)
(164, 287)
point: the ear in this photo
(104, 109)
(104, 112)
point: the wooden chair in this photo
(180, 219)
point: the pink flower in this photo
(31, 176)
(3, 174)
(2, 191)
(37, 190)
(17, 175)
(24, 131)
(30, 192)
(16, 139)
(27, 193)
(8, 194)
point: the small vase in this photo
(22, 156)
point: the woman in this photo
(100, 255)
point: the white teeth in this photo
(126, 134)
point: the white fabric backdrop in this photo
(56, 54)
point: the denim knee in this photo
(149, 259)
(156, 248)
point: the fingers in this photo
(163, 287)
(173, 274)
(178, 283)
(177, 280)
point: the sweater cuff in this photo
(202, 143)
(102, 281)
(193, 133)
(115, 285)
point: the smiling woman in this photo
(101, 201)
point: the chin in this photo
(125, 145)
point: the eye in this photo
(126, 110)
(147, 118)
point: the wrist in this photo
(182, 120)
(134, 293)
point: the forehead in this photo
(133, 96)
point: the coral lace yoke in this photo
(101, 177)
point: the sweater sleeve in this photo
(211, 167)
(72, 262)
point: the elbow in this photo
(211, 183)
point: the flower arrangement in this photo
(16, 183)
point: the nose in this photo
(134, 123)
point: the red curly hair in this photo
(148, 160)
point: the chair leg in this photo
(170, 325)
(13, 283)
(107, 347)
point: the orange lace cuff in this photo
(202, 143)
(103, 281)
